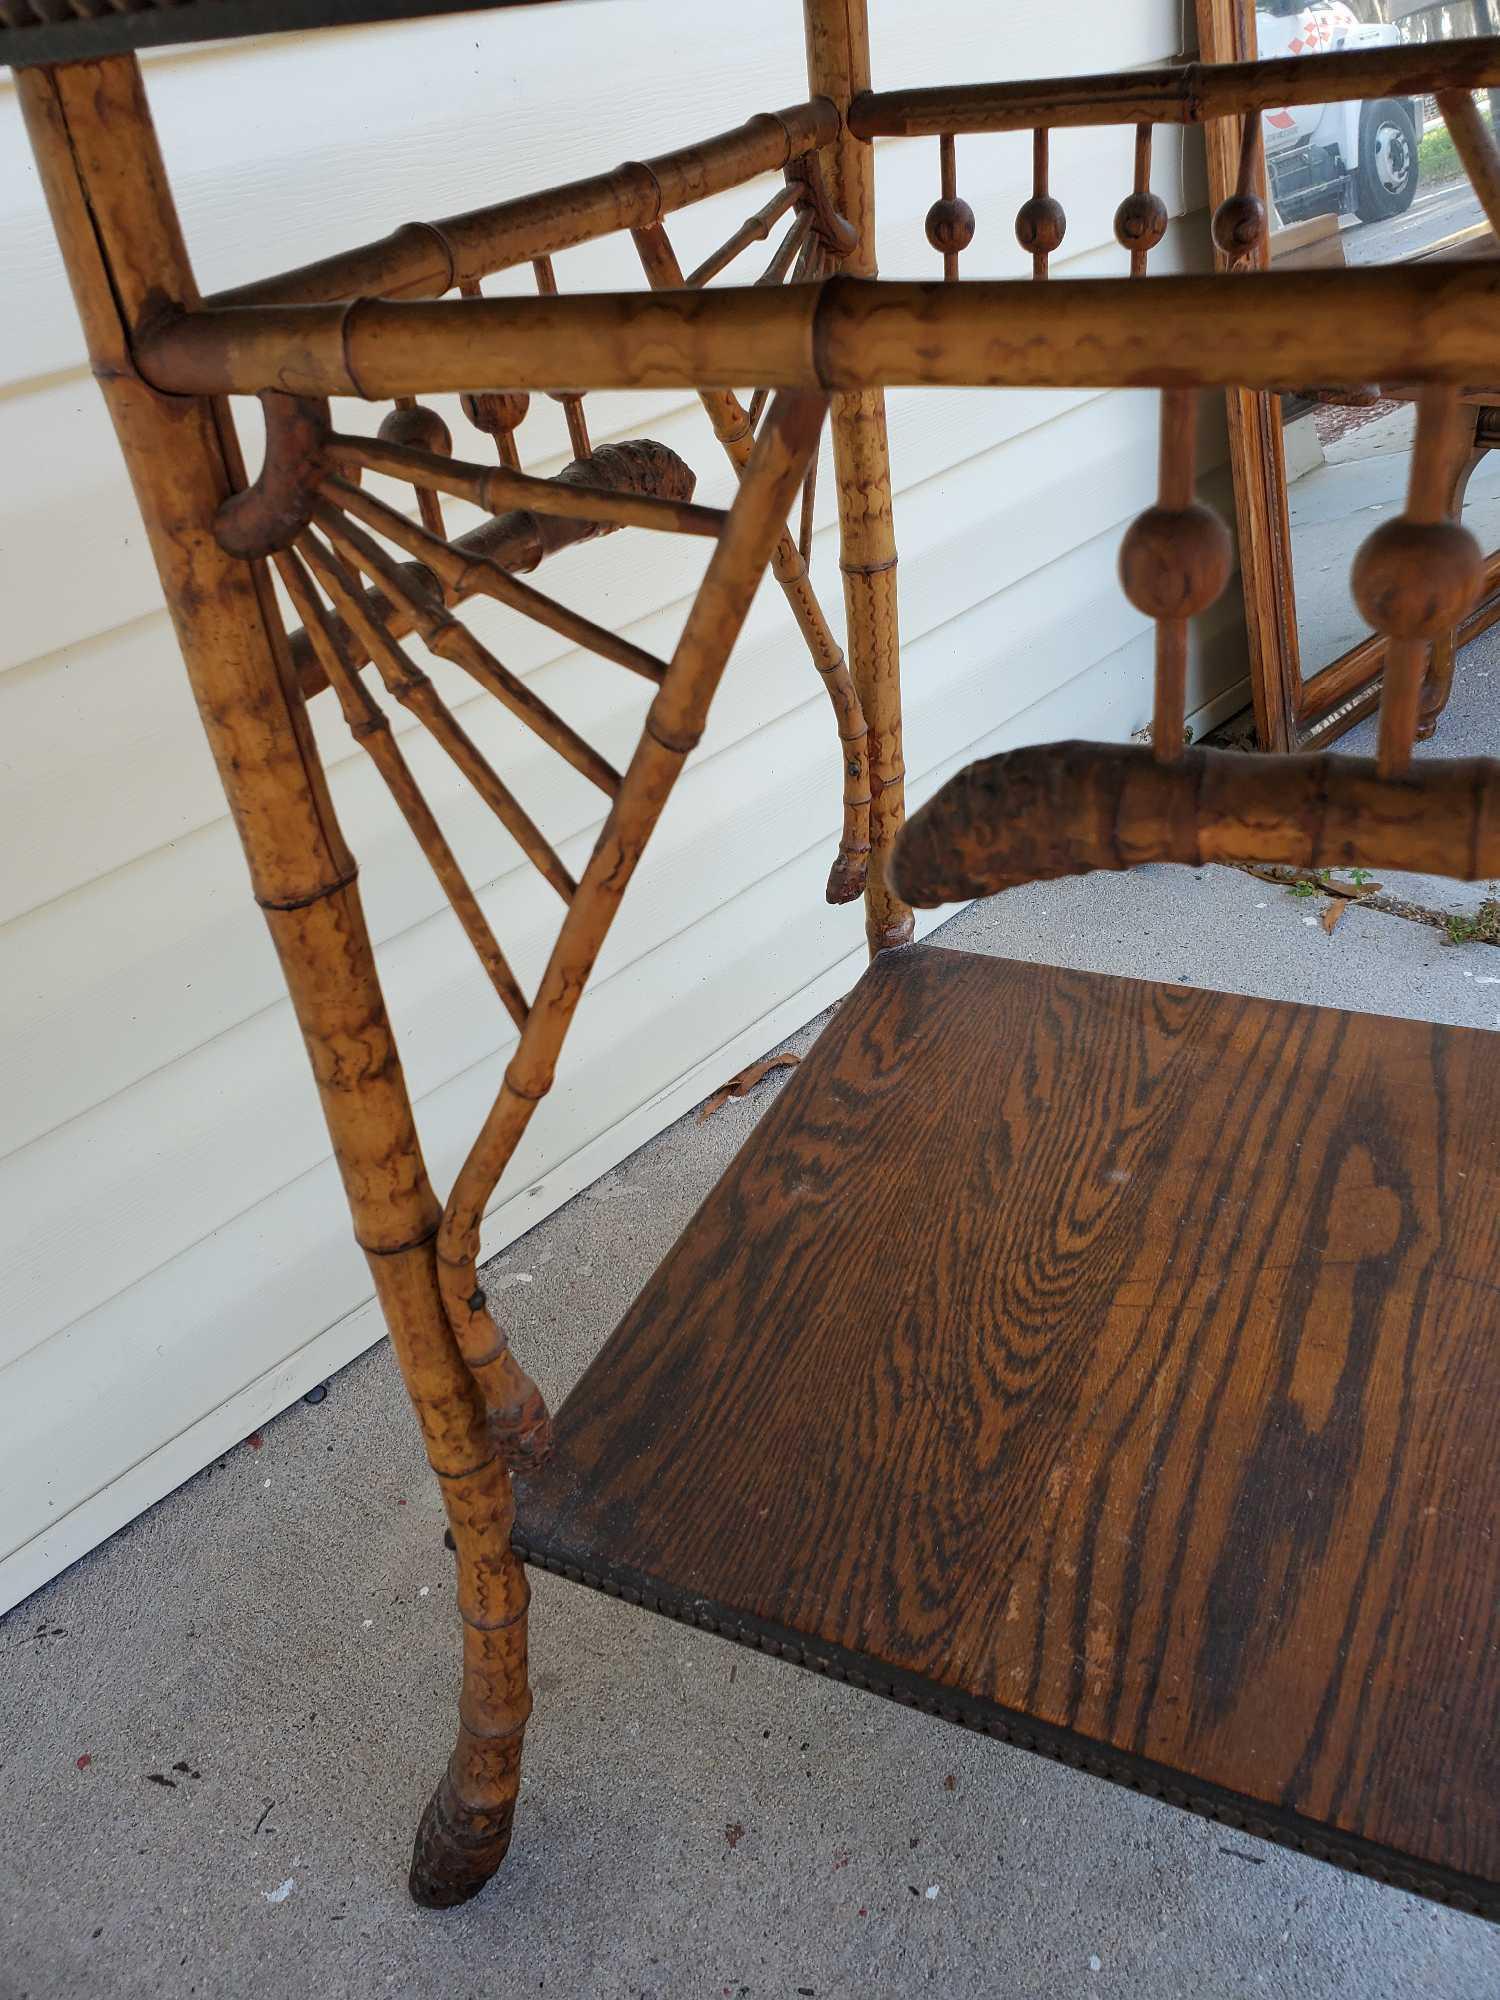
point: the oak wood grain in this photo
(1107, 1365)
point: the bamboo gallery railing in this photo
(363, 575)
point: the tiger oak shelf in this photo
(1154, 1430)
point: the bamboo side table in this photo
(1318, 1704)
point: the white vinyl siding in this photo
(177, 1263)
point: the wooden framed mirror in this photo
(1314, 471)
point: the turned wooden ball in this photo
(1239, 224)
(422, 430)
(1140, 220)
(950, 226)
(1174, 561)
(1416, 579)
(1041, 224)
(496, 412)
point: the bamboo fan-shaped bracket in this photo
(331, 542)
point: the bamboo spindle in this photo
(755, 229)
(371, 729)
(497, 414)
(1417, 576)
(1239, 224)
(673, 726)
(732, 427)
(838, 68)
(1174, 561)
(412, 688)
(107, 189)
(1141, 218)
(466, 575)
(950, 220)
(1041, 223)
(516, 540)
(798, 247)
(499, 489)
(447, 638)
(571, 400)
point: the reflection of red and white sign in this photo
(1315, 34)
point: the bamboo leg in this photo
(838, 66)
(107, 189)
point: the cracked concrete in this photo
(218, 1729)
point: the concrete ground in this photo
(217, 1730)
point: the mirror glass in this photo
(1361, 184)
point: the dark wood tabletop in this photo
(47, 31)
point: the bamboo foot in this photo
(460, 1845)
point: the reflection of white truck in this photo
(1332, 159)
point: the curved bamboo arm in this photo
(673, 726)
(1421, 323)
(1058, 809)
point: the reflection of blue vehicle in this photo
(1332, 159)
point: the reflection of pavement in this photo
(1436, 212)
(1335, 505)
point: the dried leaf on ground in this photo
(742, 1084)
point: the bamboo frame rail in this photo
(1187, 95)
(1421, 324)
(425, 259)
